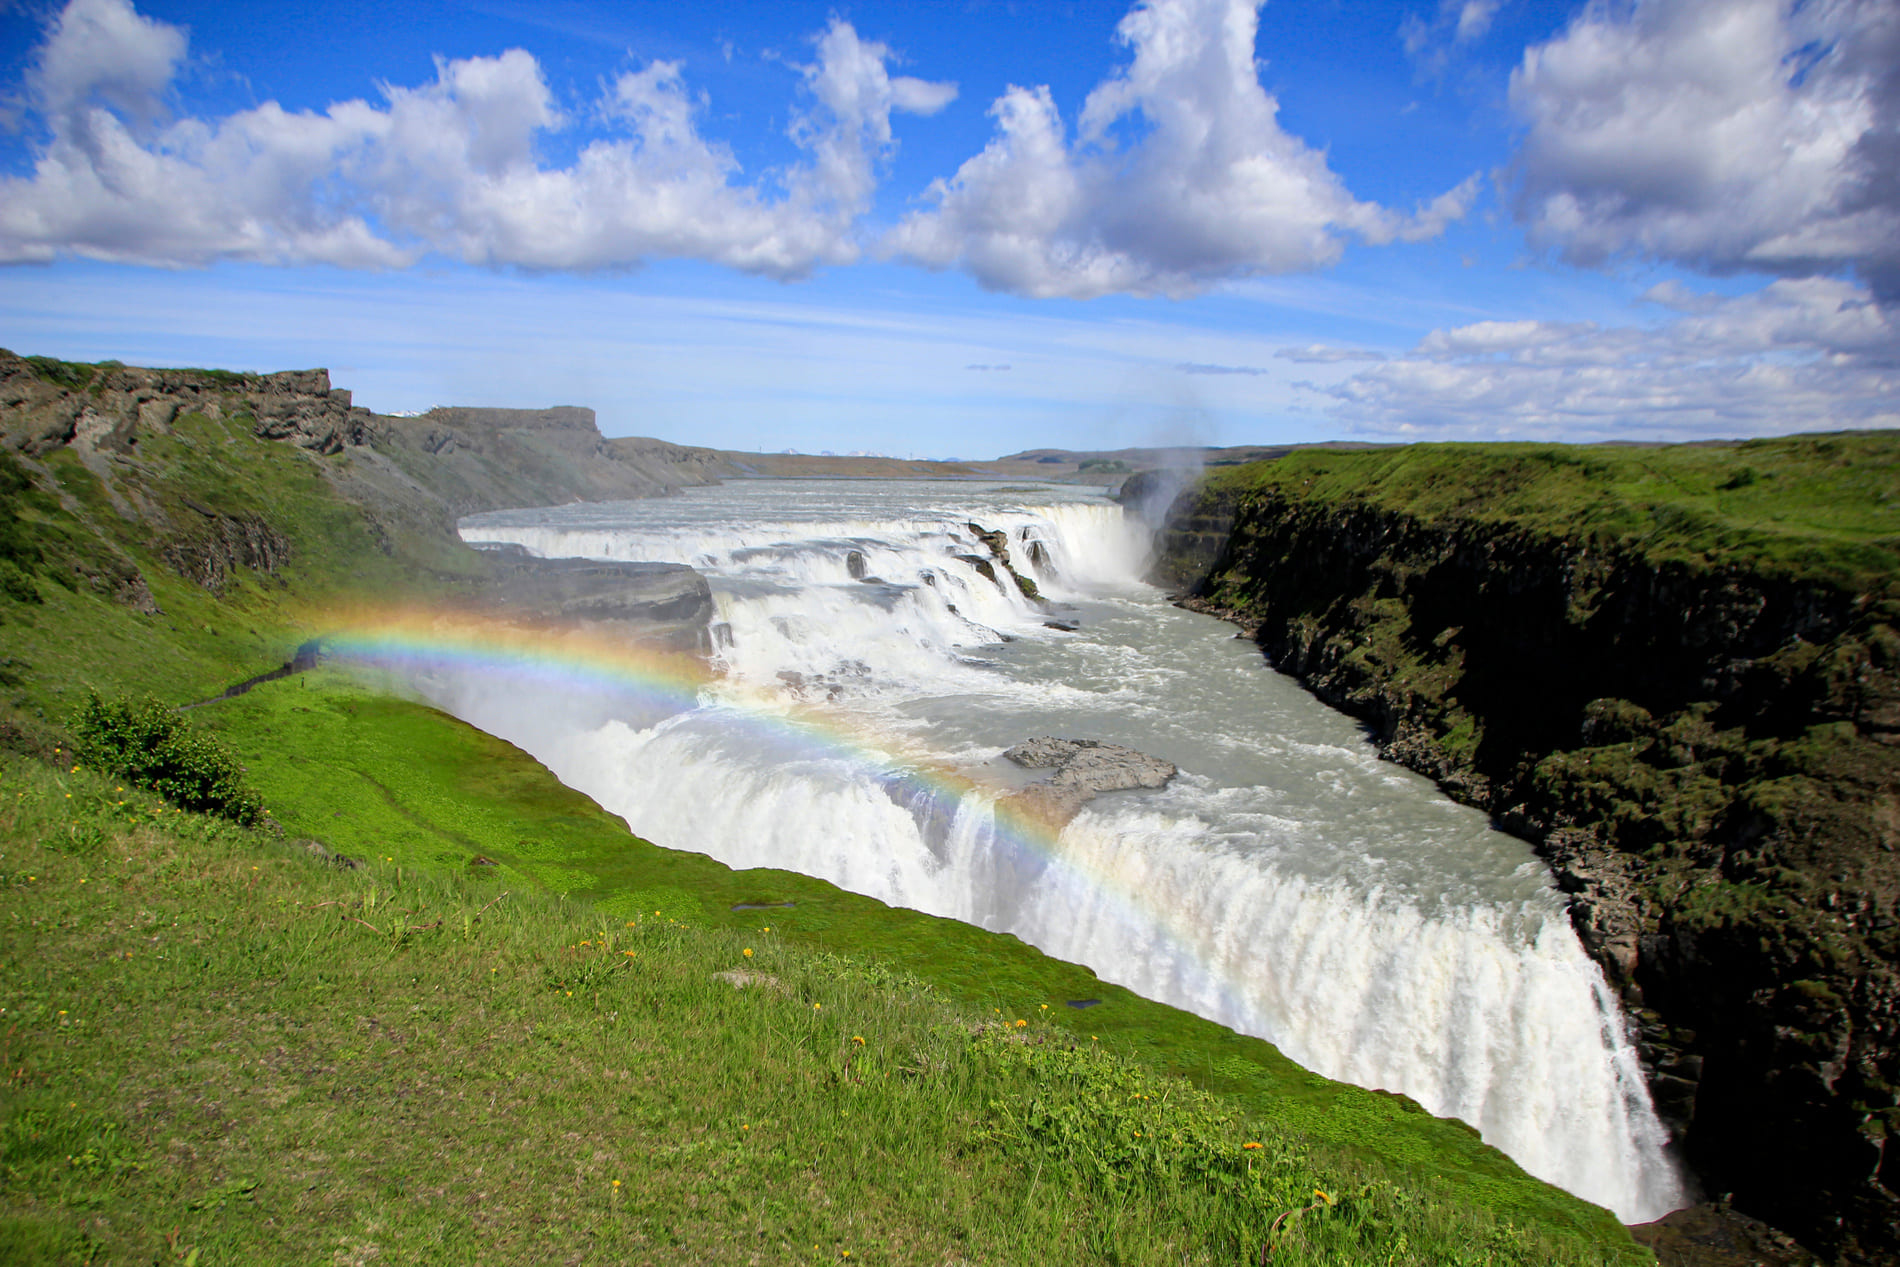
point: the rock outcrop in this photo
(1084, 768)
(658, 606)
(1705, 752)
(998, 545)
(402, 477)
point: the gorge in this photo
(1692, 722)
(1286, 883)
(1675, 670)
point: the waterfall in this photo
(1287, 884)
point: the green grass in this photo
(1821, 505)
(218, 1046)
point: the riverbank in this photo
(1675, 670)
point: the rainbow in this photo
(415, 645)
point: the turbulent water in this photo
(1287, 884)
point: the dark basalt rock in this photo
(998, 543)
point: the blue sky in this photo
(967, 229)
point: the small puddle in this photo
(1082, 1003)
(760, 906)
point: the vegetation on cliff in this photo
(301, 1061)
(1677, 669)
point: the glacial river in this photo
(1287, 883)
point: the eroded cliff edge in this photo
(1677, 672)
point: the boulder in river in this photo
(1083, 768)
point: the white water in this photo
(1288, 883)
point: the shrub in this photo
(150, 745)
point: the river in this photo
(1287, 883)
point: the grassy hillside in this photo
(298, 1062)
(1825, 506)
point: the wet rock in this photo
(664, 606)
(1083, 769)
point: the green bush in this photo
(147, 743)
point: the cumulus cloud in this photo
(1727, 135)
(1178, 176)
(1802, 354)
(449, 166)
(1432, 42)
(104, 50)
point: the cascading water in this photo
(1288, 883)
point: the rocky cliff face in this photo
(492, 459)
(47, 404)
(408, 479)
(662, 606)
(1709, 757)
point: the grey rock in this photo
(1083, 769)
(663, 606)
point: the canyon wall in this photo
(1698, 728)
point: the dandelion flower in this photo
(747, 952)
(816, 1006)
(616, 1183)
(1253, 1144)
(858, 1039)
(1021, 1023)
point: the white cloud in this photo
(1727, 135)
(1433, 42)
(1209, 188)
(1320, 354)
(1805, 354)
(104, 50)
(450, 166)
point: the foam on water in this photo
(1288, 884)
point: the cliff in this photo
(225, 479)
(1677, 672)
